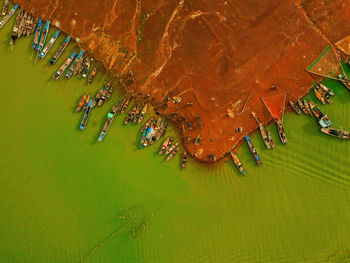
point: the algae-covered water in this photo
(65, 197)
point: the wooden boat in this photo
(130, 115)
(26, 26)
(92, 75)
(136, 116)
(33, 26)
(237, 163)
(295, 107)
(184, 160)
(319, 96)
(74, 65)
(49, 45)
(147, 124)
(253, 151)
(263, 133)
(79, 68)
(5, 7)
(172, 154)
(28, 29)
(83, 102)
(22, 24)
(110, 117)
(64, 66)
(60, 50)
(126, 105)
(86, 116)
(171, 148)
(14, 34)
(146, 136)
(345, 81)
(339, 133)
(37, 34)
(302, 107)
(325, 96)
(281, 132)
(44, 36)
(307, 107)
(103, 95)
(142, 114)
(86, 67)
(164, 145)
(7, 17)
(269, 134)
(326, 89)
(323, 119)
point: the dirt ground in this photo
(213, 54)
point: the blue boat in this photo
(146, 137)
(86, 116)
(253, 150)
(49, 45)
(8, 16)
(110, 117)
(43, 36)
(74, 65)
(64, 66)
(60, 50)
(37, 34)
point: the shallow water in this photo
(62, 193)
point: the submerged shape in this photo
(213, 54)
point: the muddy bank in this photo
(213, 54)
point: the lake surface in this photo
(62, 194)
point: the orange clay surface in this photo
(211, 53)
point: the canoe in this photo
(237, 163)
(86, 116)
(60, 50)
(295, 107)
(43, 36)
(253, 151)
(110, 117)
(339, 133)
(49, 45)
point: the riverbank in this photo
(201, 53)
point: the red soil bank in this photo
(211, 53)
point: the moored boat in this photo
(164, 145)
(60, 50)
(64, 66)
(295, 107)
(184, 160)
(326, 89)
(323, 119)
(86, 67)
(147, 124)
(172, 154)
(307, 107)
(324, 95)
(263, 133)
(302, 107)
(146, 136)
(253, 151)
(126, 105)
(33, 26)
(79, 68)
(237, 163)
(281, 132)
(130, 115)
(110, 117)
(49, 45)
(14, 34)
(83, 102)
(319, 96)
(171, 148)
(22, 24)
(37, 34)
(92, 75)
(26, 26)
(345, 81)
(44, 36)
(7, 17)
(86, 116)
(142, 114)
(269, 134)
(5, 7)
(339, 133)
(74, 65)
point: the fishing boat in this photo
(295, 107)
(49, 44)
(323, 119)
(103, 95)
(92, 75)
(120, 106)
(237, 163)
(60, 50)
(86, 67)
(344, 81)
(269, 134)
(44, 36)
(5, 7)
(86, 116)
(307, 107)
(130, 115)
(263, 132)
(275, 105)
(26, 26)
(161, 131)
(164, 145)
(146, 136)
(171, 148)
(64, 66)
(326, 89)
(339, 133)
(319, 96)
(110, 117)
(126, 105)
(79, 68)
(142, 114)
(22, 24)
(28, 29)
(14, 34)
(74, 65)
(184, 160)
(172, 154)
(302, 107)
(33, 26)
(136, 116)
(37, 34)
(83, 102)
(7, 17)
(253, 150)
(147, 124)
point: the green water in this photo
(62, 193)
